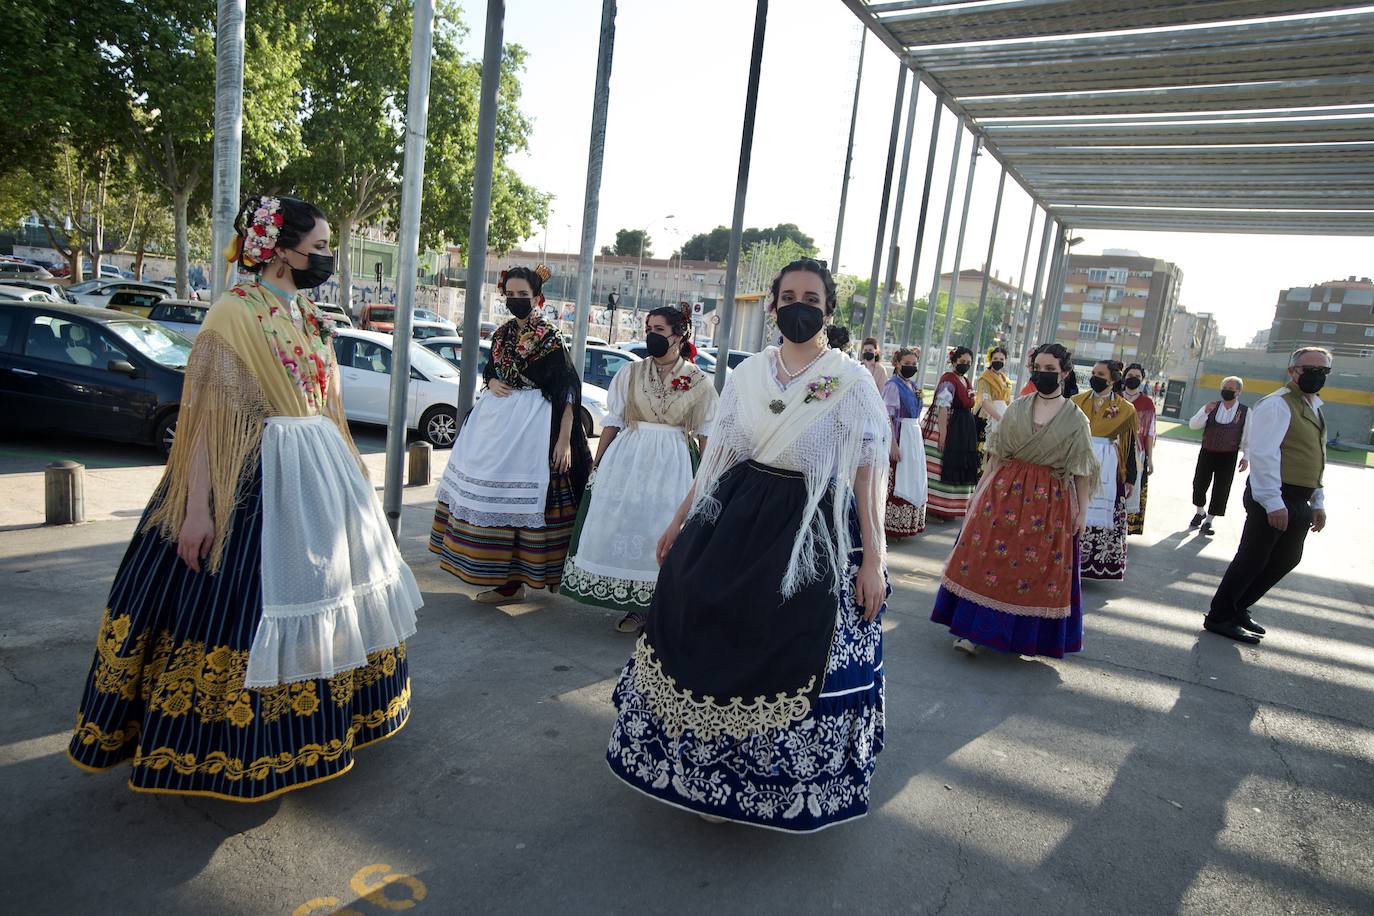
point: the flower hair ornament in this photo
(262, 221)
(543, 271)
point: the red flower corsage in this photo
(682, 383)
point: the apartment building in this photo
(1119, 305)
(1338, 315)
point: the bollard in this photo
(64, 499)
(419, 455)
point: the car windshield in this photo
(381, 314)
(85, 287)
(426, 315)
(154, 341)
(431, 364)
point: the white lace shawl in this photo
(851, 435)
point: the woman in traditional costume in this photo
(1112, 418)
(508, 499)
(991, 393)
(1011, 582)
(659, 409)
(951, 440)
(1144, 406)
(254, 636)
(755, 693)
(905, 514)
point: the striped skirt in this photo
(493, 557)
(166, 688)
(944, 500)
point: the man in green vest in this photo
(1286, 444)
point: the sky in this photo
(679, 76)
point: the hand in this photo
(1210, 406)
(869, 589)
(1279, 519)
(499, 388)
(666, 540)
(1244, 465)
(562, 456)
(196, 539)
(1130, 488)
(894, 453)
(1080, 524)
(1318, 519)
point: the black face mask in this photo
(1227, 394)
(656, 344)
(1311, 382)
(870, 355)
(1045, 381)
(519, 306)
(319, 268)
(800, 322)
(1133, 383)
(997, 365)
(1098, 383)
(907, 371)
(961, 368)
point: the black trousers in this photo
(1265, 555)
(1215, 469)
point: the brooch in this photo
(777, 406)
(682, 383)
(821, 388)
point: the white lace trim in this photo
(578, 581)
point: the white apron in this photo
(498, 472)
(1102, 505)
(334, 586)
(909, 482)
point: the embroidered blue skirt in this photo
(166, 692)
(799, 776)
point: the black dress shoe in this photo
(1248, 624)
(1206, 528)
(1197, 520)
(1230, 631)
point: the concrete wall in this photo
(1348, 395)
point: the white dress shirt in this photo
(1225, 414)
(1265, 427)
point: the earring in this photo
(281, 271)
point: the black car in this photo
(90, 371)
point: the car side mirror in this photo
(122, 366)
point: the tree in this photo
(633, 242)
(715, 245)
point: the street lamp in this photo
(639, 271)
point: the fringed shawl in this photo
(1064, 444)
(691, 401)
(250, 361)
(1112, 417)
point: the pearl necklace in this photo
(792, 376)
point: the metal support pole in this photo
(887, 193)
(746, 148)
(934, 300)
(591, 201)
(481, 202)
(892, 252)
(408, 256)
(959, 244)
(228, 137)
(1049, 317)
(1018, 336)
(849, 155)
(1032, 329)
(921, 223)
(987, 263)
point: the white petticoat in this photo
(910, 482)
(334, 586)
(641, 480)
(498, 472)
(1102, 505)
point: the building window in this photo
(1309, 327)
(1114, 293)
(1097, 294)
(1334, 307)
(1328, 329)
(1314, 306)
(1117, 275)
(1087, 328)
(629, 275)
(1091, 311)
(1097, 275)
(1138, 313)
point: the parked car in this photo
(90, 371)
(432, 316)
(734, 359)
(56, 290)
(376, 316)
(593, 396)
(98, 292)
(336, 316)
(423, 329)
(181, 315)
(365, 374)
(10, 293)
(487, 329)
(23, 271)
(135, 302)
(600, 364)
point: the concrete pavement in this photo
(1161, 770)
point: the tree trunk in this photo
(344, 263)
(140, 248)
(98, 215)
(181, 200)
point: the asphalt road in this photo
(1161, 770)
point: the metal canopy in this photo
(1170, 115)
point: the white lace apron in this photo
(1102, 505)
(910, 482)
(498, 472)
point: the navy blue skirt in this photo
(166, 692)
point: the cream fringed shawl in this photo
(827, 440)
(250, 361)
(1064, 444)
(691, 409)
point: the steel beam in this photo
(893, 251)
(591, 196)
(987, 262)
(921, 224)
(848, 156)
(872, 302)
(959, 246)
(933, 301)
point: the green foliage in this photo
(628, 242)
(715, 245)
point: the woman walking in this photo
(905, 515)
(1144, 405)
(658, 410)
(951, 440)
(1112, 419)
(1012, 580)
(255, 632)
(992, 393)
(756, 691)
(508, 499)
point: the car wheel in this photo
(166, 433)
(587, 423)
(439, 426)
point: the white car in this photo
(365, 373)
(421, 314)
(98, 292)
(24, 294)
(181, 315)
